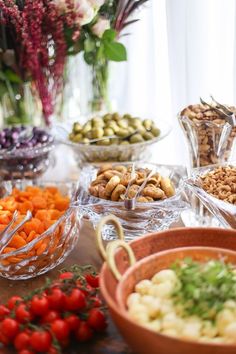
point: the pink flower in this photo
(101, 26)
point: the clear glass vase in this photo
(20, 105)
(208, 143)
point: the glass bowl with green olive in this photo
(113, 137)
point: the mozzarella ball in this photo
(153, 305)
(163, 276)
(143, 287)
(139, 313)
(154, 325)
(209, 330)
(230, 332)
(191, 331)
(171, 321)
(167, 306)
(162, 290)
(170, 332)
(224, 318)
(230, 304)
(133, 298)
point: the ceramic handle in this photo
(111, 219)
(111, 248)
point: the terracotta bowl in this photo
(144, 341)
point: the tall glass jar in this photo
(20, 105)
(209, 141)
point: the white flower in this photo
(97, 3)
(100, 27)
(86, 11)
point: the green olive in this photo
(124, 142)
(98, 124)
(123, 123)
(115, 141)
(113, 125)
(116, 116)
(103, 142)
(148, 136)
(71, 136)
(78, 138)
(108, 131)
(155, 131)
(148, 123)
(107, 117)
(85, 141)
(122, 132)
(89, 135)
(127, 116)
(131, 130)
(86, 128)
(97, 133)
(77, 127)
(136, 123)
(136, 138)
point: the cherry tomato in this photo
(66, 275)
(26, 351)
(75, 300)
(84, 332)
(92, 280)
(41, 341)
(10, 328)
(39, 305)
(22, 314)
(50, 317)
(56, 299)
(53, 350)
(60, 329)
(87, 289)
(73, 322)
(4, 311)
(95, 301)
(22, 341)
(13, 301)
(97, 320)
(3, 339)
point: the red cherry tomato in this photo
(26, 351)
(10, 328)
(95, 301)
(92, 280)
(41, 341)
(3, 339)
(97, 320)
(50, 317)
(73, 322)
(13, 301)
(84, 332)
(56, 299)
(87, 289)
(76, 300)
(22, 314)
(39, 305)
(4, 311)
(66, 275)
(22, 341)
(60, 329)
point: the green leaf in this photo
(89, 45)
(12, 77)
(109, 35)
(115, 51)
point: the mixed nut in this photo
(113, 183)
(210, 138)
(114, 129)
(221, 183)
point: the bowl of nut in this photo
(112, 137)
(210, 130)
(175, 272)
(39, 226)
(145, 197)
(25, 152)
(215, 187)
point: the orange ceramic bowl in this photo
(144, 341)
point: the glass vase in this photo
(208, 143)
(20, 105)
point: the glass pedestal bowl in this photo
(146, 218)
(84, 153)
(222, 212)
(60, 238)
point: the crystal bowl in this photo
(223, 211)
(96, 153)
(60, 238)
(147, 217)
(140, 340)
(29, 162)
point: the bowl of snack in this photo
(215, 187)
(112, 137)
(39, 227)
(182, 264)
(24, 152)
(210, 130)
(145, 197)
